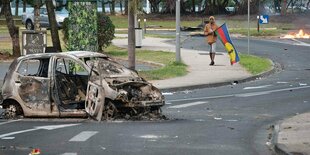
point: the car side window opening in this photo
(34, 67)
(71, 80)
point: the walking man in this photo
(209, 31)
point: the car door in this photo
(33, 85)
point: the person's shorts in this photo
(213, 48)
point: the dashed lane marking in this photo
(187, 105)
(12, 121)
(257, 87)
(83, 136)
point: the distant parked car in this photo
(28, 18)
(76, 84)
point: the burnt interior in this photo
(71, 83)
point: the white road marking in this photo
(83, 136)
(48, 127)
(280, 82)
(252, 94)
(167, 93)
(69, 154)
(187, 105)
(8, 138)
(303, 84)
(9, 122)
(218, 118)
(257, 87)
(240, 95)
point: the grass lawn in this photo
(169, 22)
(254, 64)
(169, 70)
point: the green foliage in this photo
(82, 26)
(255, 65)
(106, 31)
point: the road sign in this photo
(263, 19)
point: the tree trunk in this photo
(283, 8)
(193, 6)
(121, 6)
(113, 7)
(103, 6)
(53, 25)
(37, 16)
(24, 5)
(126, 7)
(16, 7)
(131, 36)
(13, 30)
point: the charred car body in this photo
(76, 84)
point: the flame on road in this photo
(300, 34)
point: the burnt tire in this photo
(13, 111)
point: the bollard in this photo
(144, 26)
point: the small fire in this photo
(300, 34)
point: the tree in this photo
(16, 7)
(13, 30)
(53, 25)
(131, 34)
(106, 31)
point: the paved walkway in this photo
(293, 135)
(200, 73)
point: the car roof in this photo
(77, 54)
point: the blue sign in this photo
(263, 19)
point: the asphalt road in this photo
(232, 119)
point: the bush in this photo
(106, 30)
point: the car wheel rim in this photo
(110, 111)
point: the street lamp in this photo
(248, 26)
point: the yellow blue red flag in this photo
(223, 34)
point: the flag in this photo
(223, 34)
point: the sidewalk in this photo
(200, 73)
(292, 136)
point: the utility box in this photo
(33, 42)
(139, 35)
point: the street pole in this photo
(248, 26)
(177, 45)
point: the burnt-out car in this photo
(76, 84)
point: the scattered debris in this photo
(289, 127)
(35, 152)
(231, 128)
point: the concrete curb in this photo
(275, 67)
(279, 149)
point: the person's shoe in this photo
(212, 63)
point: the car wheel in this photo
(13, 111)
(29, 25)
(110, 111)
